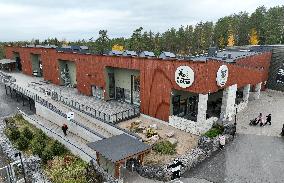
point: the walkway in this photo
(256, 154)
(38, 85)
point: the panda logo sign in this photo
(184, 76)
(222, 75)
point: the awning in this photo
(119, 147)
(7, 61)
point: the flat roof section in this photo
(119, 147)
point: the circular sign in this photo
(184, 76)
(222, 75)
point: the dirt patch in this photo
(185, 141)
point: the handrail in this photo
(56, 134)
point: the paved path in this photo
(257, 153)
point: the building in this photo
(189, 94)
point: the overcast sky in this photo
(78, 19)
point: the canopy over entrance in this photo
(119, 147)
(115, 151)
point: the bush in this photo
(38, 143)
(27, 133)
(213, 132)
(165, 147)
(150, 132)
(22, 143)
(46, 155)
(57, 148)
(14, 133)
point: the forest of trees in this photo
(263, 26)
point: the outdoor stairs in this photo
(93, 124)
(71, 138)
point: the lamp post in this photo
(23, 168)
(236, 114)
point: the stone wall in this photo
(32, 163)
(205, 148)
(189, 126)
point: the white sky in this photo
(78, 19)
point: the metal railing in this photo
(76, 105)
(102, 116)
(60, 136)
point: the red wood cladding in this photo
(156, 76)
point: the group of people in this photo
(260, 120)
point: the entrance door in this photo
(135, 86)
(120, 94)
(111, 85)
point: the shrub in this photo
(27, 133)
(46, 155)
(22, 143)
(57, 148)
(165, 147)
(13, 133)
(38, 143)
(213, 132)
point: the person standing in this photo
(268, 119)
(64, 129)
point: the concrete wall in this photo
(228, 103)
(59, 120)
(191, 126)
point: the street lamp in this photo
(236, 114)
(23, 168)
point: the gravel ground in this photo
(270, 102)
(186, 141)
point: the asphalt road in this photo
(248, 159)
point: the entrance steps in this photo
(74, 143)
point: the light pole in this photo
(23, 168)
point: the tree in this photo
(103, 42)
(231, 40)
(253, 40)
(117, 47)
(136, 40)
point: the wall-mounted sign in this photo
(222, 75)
(184, 76)
(70, 115)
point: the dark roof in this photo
(119, 147)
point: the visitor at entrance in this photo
(282, 133)
(268, 119)
(64, 129)
(176, 169)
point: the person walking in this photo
(268, 119)
(64, 129)
(260, 120)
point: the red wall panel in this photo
(156, 76)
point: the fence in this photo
(38, 124)
(110, 118)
